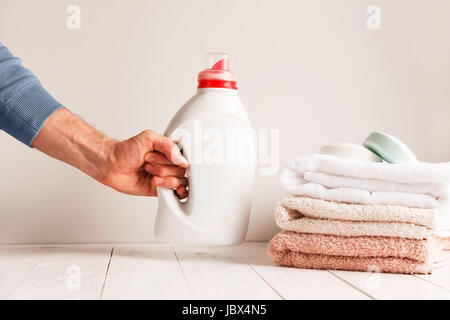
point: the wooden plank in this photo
(293, 283)
(154, 272)
(15, 265)
(66, 273)
(393, 286)
(145, 272)
(440, 277)
(221, 273)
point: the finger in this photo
(182, 192)
(170, 150)
(164, 170)
(157, 158)
(169, 182)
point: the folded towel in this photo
(293, 220)
(372, 264)
(419, 185)
(376, 254)
(436, 190)
(419, 250)
(324, 209)
(420, 172)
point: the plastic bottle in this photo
(214, 133)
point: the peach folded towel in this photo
(381, 254)
(373, 264)
(293, 220)
(420, 250)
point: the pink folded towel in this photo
(381, 254)
(420, 250)
(373, 264)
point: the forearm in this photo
(68, 138)
(135, 166)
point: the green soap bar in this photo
(389, 148)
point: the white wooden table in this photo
(156, 271)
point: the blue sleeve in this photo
(24, 103)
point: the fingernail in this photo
(183, 160)
(177, 158)
(148, 157)
(158, 180)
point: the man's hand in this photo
(142, 163)
(135, 166)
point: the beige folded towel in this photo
(293, 220)
(324, 209)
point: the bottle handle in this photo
(168, 199)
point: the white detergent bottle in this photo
(214, 133)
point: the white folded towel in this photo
(418, 185)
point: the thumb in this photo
(170, 150)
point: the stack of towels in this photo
(365, 216)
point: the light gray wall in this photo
(309, 68)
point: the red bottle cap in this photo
(217, 73)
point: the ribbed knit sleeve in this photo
(24, 103)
